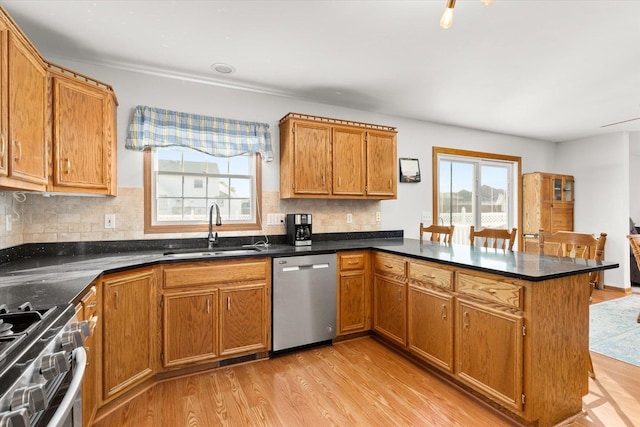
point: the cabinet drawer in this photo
(355, 261)
(216, 272)
(422, 272)
(90, 303)
(390, 266)
(490, 289)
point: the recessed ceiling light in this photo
(223, 68)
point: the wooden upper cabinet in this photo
(23, 143)
(349, 161)
(331, 158)
(382, 173)
(83, 136)
(311, 157)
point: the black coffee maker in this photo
(298, 229)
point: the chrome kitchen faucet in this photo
(213, 238)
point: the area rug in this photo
(614, 330)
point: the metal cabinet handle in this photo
(388, 266)
(339, 181)
(444, 311)
(429, 276)
(490, 290)
(390, 184)
(228, 303)
(208, 305)
(323, 180)
(18, 146)
(67, 168)
(465, 320)
(353, 262)
(3, 145)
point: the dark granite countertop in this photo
(60, 274)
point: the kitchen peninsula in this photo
(509, 327)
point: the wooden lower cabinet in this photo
(244, 319)
(353, 293)
(90, 306)
(389, 309)
(214, 310)
(128, 341)
(190, 322)
(430, 326)
(489, 351)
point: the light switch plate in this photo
(9, 223)
(109, 221)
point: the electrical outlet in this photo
(280, 219)
(271, 219)
(109, 221)
(378, 216)
(349, 218)
(9, 222)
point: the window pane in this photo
(169, 186)
(455, 201)
(239, 165)
(169, 160)
(195, 210)
(169, 209)
(493, 196)
(240, 187)
(194, 186)
(223, 204)
(217, 187)
(218, 165)
(240, 209)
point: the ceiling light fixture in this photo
(447, 16)
(222, 68)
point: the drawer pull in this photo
(353, 262)
(388, 266)
(92, 304)
(429, 276)
(491, 291)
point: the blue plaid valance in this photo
(155, 127)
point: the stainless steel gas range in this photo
(42, 361)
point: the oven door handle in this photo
(68, 401)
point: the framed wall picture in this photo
(409, 170)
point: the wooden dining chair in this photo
(634, 240)
(496, 238)
(439, 233)
(575, 245)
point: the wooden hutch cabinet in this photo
(329, 158)
(547, 204)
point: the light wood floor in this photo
(354, 383)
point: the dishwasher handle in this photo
(305, 267)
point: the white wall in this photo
(634, 176)
(600, 167)
(415, 138)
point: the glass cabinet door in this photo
(568, 190)
(557, 189)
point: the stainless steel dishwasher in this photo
(304, 300)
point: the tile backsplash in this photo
(37, 218)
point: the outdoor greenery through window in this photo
(478, 189)
(185, 183)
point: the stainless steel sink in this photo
(208, 253)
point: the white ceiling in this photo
(546, 69)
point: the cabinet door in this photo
(244, 319)
(430, 319)
(348, 161)
(81, 145)
(4, 100)
(312, 158)
(189, 327)
(352, 303)
(90, 379)
(489, 352)
(27, 101)
(128, 330)
(381, 164)
(390, 308)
